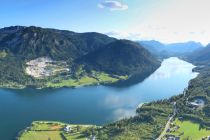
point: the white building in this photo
(68, 128)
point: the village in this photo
(68, 129)
(44, 67)
(177, 128)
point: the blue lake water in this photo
(89, 105)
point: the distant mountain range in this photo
(86, 56)
(200, 56)
(167, 50)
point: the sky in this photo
(167, 21)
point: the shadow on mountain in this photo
(135, 79)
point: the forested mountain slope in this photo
(34, 56)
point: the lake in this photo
(90, 105)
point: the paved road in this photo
(168, 123)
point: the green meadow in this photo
(190, 130)
(53, 131)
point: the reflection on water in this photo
(170, 79)
(172, 67)
(89, 105)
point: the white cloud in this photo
(188, 18)
(124, 35)
(172, 21)
(113, 5)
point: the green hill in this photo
(121, 57)
(39, 57)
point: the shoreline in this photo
(61, 129)
(138, 107)
(118, 81)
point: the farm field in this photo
(189, 130)
(53, 131)
(100, 78)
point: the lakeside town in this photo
(44, 67)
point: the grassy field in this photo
(51, 126)
(98, 78)
(73, 82)
(190, 130)
(106, 78)
(62, 83)
(53, 131)
(41, 135)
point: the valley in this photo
(51, 69)
(98, 105)
(104, 70)
(189, 120)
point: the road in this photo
(168, 123)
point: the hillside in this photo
(200, 56)
(121, 57)
(155, 47)
(39, 57)
(33, 42)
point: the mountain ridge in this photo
(66, 54)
